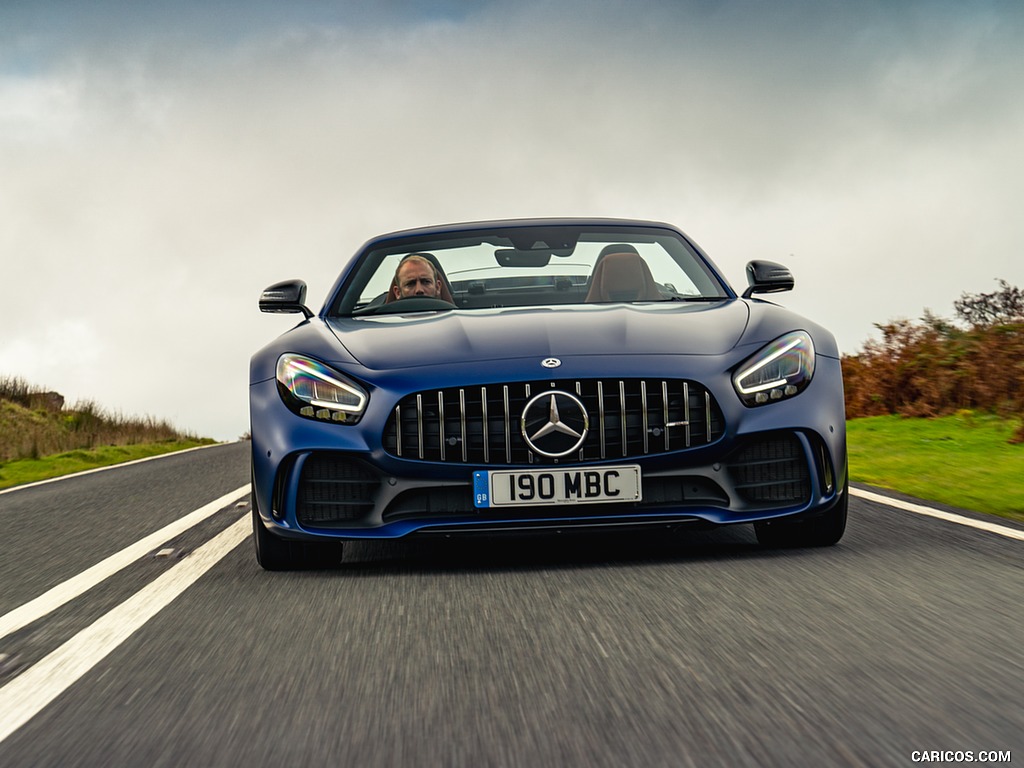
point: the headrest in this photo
(622, 277)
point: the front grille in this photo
(481, 425)
(771, 469)
(334, 489)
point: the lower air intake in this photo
(771, 469)
(334, 489)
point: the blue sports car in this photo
(548, 374)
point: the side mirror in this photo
(767, 277)
(287, 297)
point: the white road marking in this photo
(75, 586)
(983, 525)
(26, 695)
(104, 469)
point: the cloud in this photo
(160, 172)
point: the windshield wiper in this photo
(698, 298)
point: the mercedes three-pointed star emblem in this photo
(555, 424)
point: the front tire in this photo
(275, 553)
(821, 531)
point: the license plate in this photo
(536, 487)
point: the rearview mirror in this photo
(286, 298)
(513, 257)
(767, 277)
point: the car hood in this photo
(405, 341)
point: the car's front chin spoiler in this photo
(563, 526)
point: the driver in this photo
(415, 276)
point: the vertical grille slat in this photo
(508, 430)
(686, 411)
(579, 393)
(625, 414)
(707, 416)
(622, 415)
(440, 423)
(643, 409)
(462, 421)
(664, 412)
(485, 425)
(419, 422)
(398, 429)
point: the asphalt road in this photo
(697, 649)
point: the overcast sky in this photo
(162, 163)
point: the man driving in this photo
(415, 276)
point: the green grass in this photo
(962, 460)
(20, 471)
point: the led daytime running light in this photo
(323, 393)
(780, 370)
(764, 363)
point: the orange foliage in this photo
(932, 368)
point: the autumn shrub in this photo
(933, 366)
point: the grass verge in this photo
(21, 471)
(963, 460)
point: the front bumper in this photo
(345, 495)
(314, 480)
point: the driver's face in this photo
(415, 279)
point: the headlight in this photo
(313, 390)
(780, 370)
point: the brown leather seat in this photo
(623, 277)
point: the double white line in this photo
(28, 693)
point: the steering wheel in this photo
(412, 304)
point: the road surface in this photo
(127, 641)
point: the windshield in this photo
(526, 267)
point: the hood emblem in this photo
(554, 424)
(551, 362)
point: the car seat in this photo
(622, 277)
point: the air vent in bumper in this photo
(334, 489)
(771, 470)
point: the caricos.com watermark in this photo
(960, 756)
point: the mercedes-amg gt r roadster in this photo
(542, 375)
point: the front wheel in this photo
(821, 531)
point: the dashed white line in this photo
(87, 579)
(920, 509)
(26, 695)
